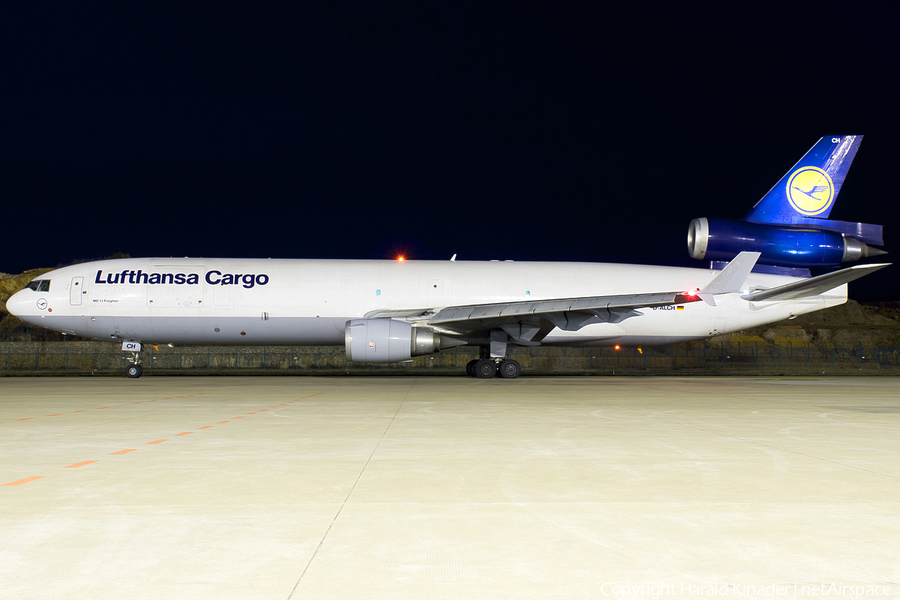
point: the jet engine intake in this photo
(785, 245)
(391, 340)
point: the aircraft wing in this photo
(516, 310)
(815, 285)
(528, 321)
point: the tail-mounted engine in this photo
(390, 340)
(784, 245)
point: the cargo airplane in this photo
(390, 311)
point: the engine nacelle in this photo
(792, 246)
(390, 340)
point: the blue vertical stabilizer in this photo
(808, 191)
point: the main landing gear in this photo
(486, 368)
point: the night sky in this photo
(493, 131)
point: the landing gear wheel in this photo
(485, 368)
(134, 371)
(510, 369)
(470, 368)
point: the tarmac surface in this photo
(449, 487)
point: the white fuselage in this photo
(308, 302)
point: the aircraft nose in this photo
(22, 304)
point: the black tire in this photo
(470, 368)
(510, 369)
(134, 371)
(485, 368)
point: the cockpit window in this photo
(39, 285)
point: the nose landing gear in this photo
(134, 370)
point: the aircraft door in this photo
(75, 291)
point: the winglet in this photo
(731, 278)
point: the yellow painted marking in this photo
(21, 481)
(81, 464)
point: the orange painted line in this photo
(21, 481)
(206, 427)
(81, 464)
(253, 413)
(237, 417)
(124, 451)
(25, 419)
(117, 405)
(101, 407)
(75, 411)
(156, 442)
(184, 433)
(220, 422)
(263, 410)
(53, 415)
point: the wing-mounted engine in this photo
(392, 340)
(789, 226)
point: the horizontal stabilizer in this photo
(814, 286)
